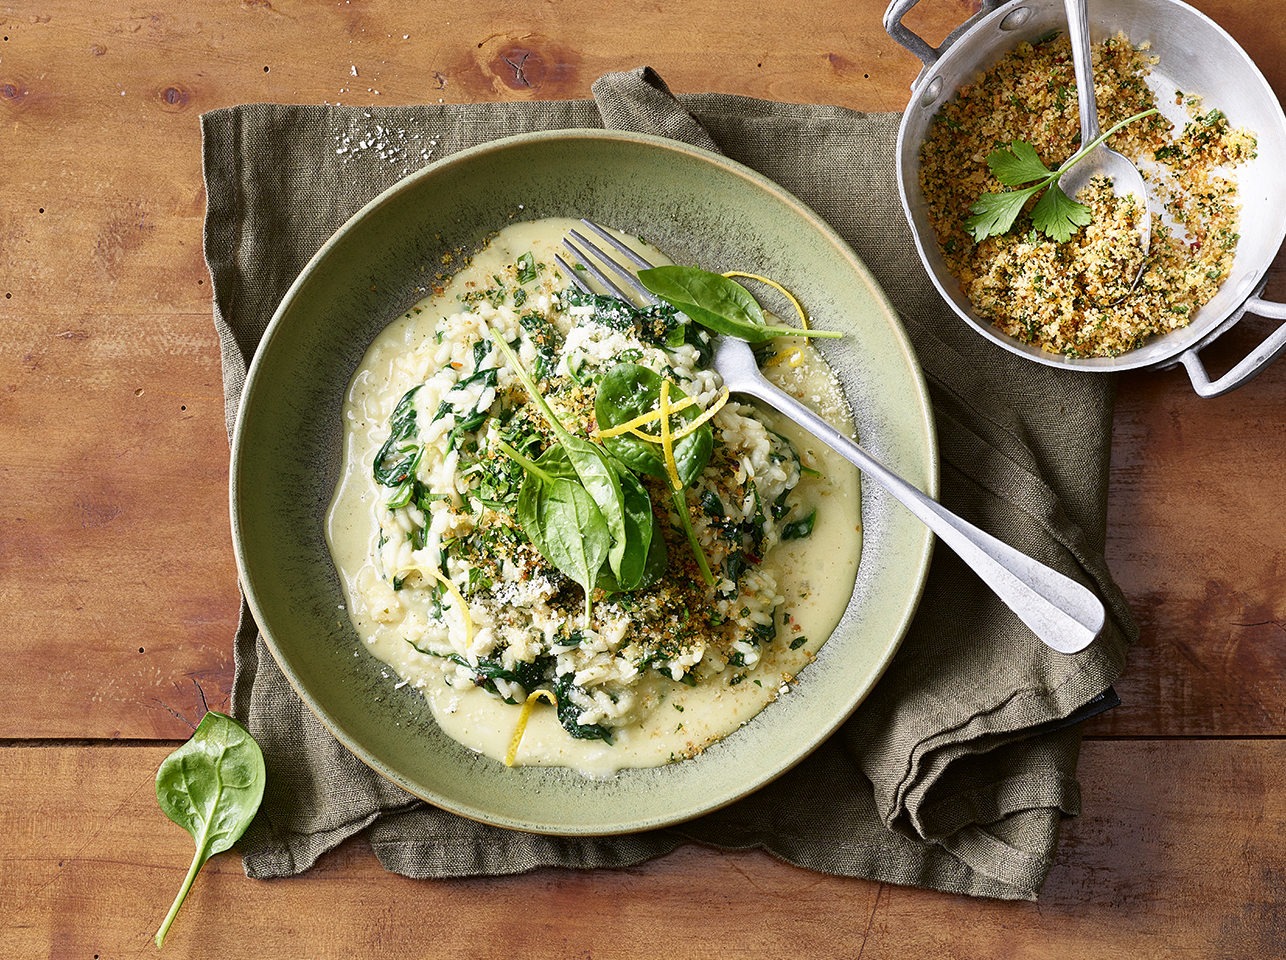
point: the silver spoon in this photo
(1100, 160)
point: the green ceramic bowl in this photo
(699, 208)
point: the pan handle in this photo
(918, 45)
(1251, 365)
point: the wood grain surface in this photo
(118, 591)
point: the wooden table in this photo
(118, 587)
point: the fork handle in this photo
(1064, 614)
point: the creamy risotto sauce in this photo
(645, 697)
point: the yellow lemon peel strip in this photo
(631, 426)
(667, 441)
(456, 595)
(524, 715)
(803, 317)
(792, 358)
(709, 412)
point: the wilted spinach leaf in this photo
(628, 391)
(799, 529)
(395, 463)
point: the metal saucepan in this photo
(1195, 56)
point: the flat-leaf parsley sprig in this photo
(1056, 214)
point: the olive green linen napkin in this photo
(956, 771)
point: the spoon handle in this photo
(1064, 614)
(1078, 33)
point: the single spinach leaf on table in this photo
(211, 787)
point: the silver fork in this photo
(1061, 612)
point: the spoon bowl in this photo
(1101, 160)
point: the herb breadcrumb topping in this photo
(1072, 298)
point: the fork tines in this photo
(589, 256)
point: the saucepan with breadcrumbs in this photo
(993, 122)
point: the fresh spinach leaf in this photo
(211, 787)
(718, 303)
(603, 484)
(654, 567)
(538, 476)
(575, 533)
(629, 390)
(637, 560)
(591, 464)
(560, 517)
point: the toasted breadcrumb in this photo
(1070, 298)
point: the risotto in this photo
(462, 426)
